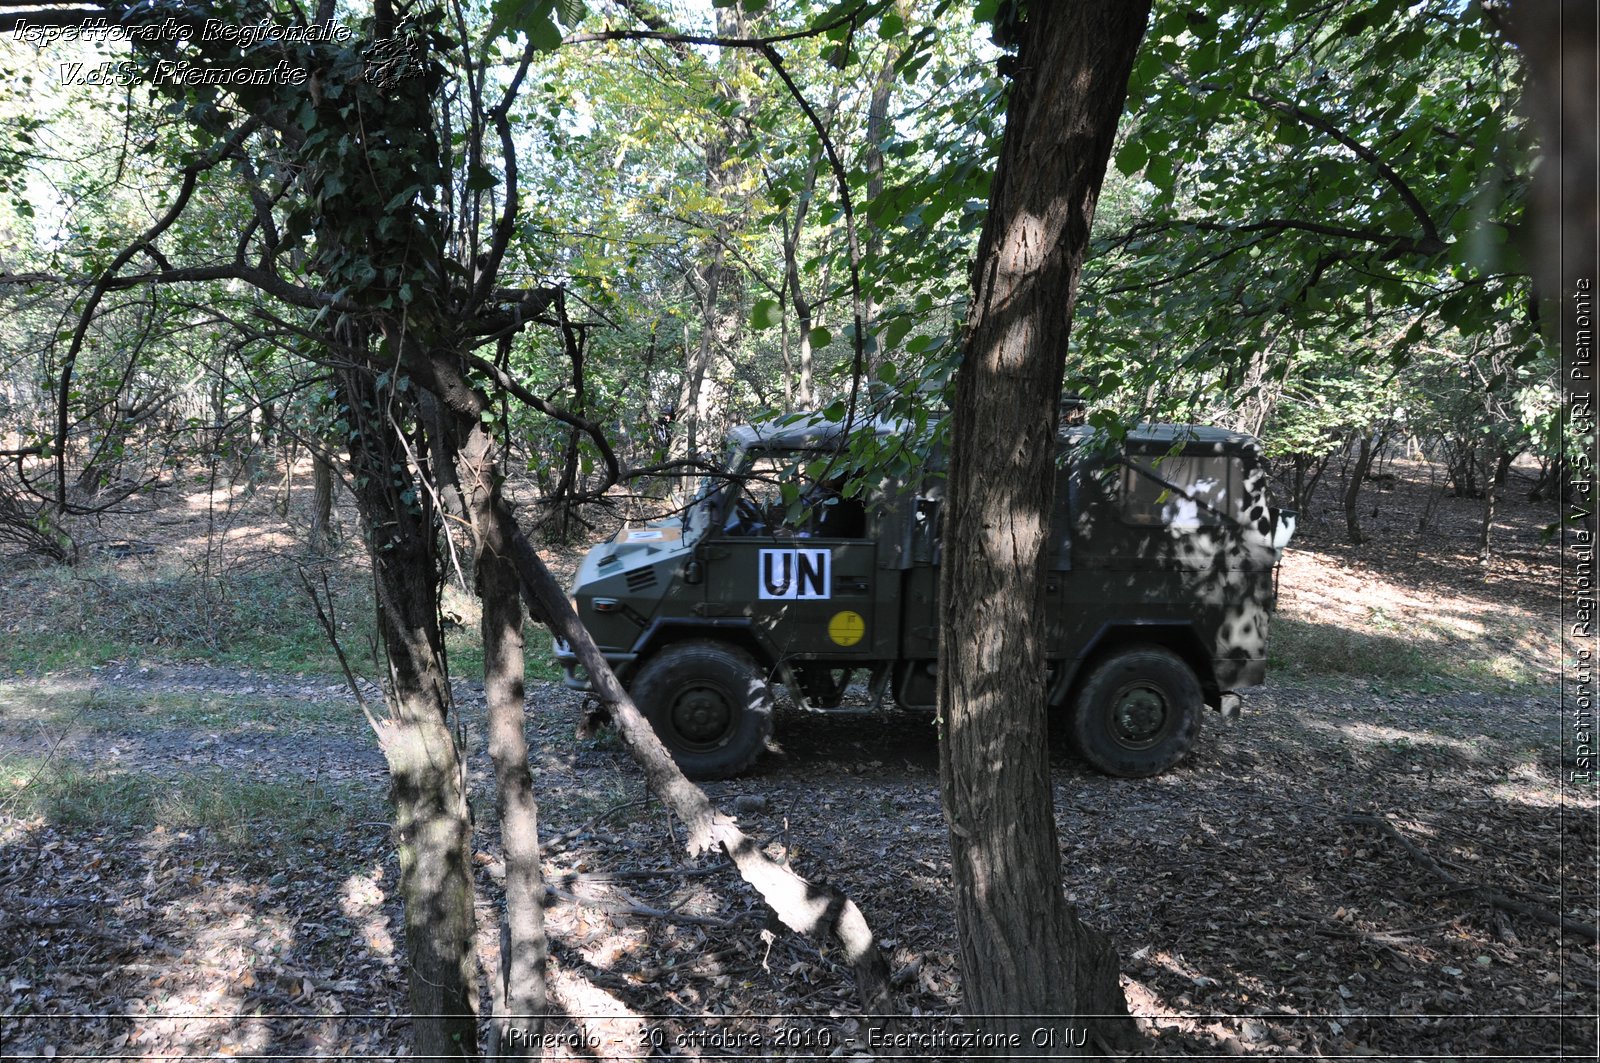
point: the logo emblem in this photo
(847, 628)
(794, 575)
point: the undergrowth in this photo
(53, 705)
(257, 617)
(1423, 659)
(234, 812)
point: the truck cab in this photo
(1160, 585)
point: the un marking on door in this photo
(794, 574)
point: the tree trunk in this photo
(433, 825)
(877, 132)
(1560, 46)
(696, 401)
(1502, 467)
(704, 390)
(1026, 959)
(1352, 490)
(521, 1000)
(797, 295)
(1492, 482)
(321, 532)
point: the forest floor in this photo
(1375, 859)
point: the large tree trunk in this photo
(1026, 959)
(432, 822)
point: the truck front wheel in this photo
(710, 705)
(1138, 712)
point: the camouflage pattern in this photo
(1168, 541)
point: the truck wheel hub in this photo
(1139, 715)
(701, 716)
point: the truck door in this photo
(804, 585)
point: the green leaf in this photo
(897, 330)
(819, 338)
(535, 18)
(765, 314)
(480, 178)
(1131, 159)
(1159, 172)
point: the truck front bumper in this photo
(574, 675)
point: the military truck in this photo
(1161, 579)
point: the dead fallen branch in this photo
(807, 908)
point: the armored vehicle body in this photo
(1160, 584)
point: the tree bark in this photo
(1352, 490)
(1027, 961)
(522, 997)
(433, 825)
(1560, 44)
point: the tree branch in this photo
(854, 14)
(191, 176)
(1431, 242)
(591, 429)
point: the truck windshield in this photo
(697, 517)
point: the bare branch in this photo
(191, 175)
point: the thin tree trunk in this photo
(1502, 467)
(1026, 959)
(521, 1001)
(1352, 490)
(797, 295)
(877, 133)
(1492, 482)
(693, 397)
(433, 825)
(321, 504)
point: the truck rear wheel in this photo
(1138, 713)
(709, 704)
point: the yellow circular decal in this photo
(847, 627)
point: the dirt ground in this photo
(1363, 864)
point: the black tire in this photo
(710, 705)
(1138, 712)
